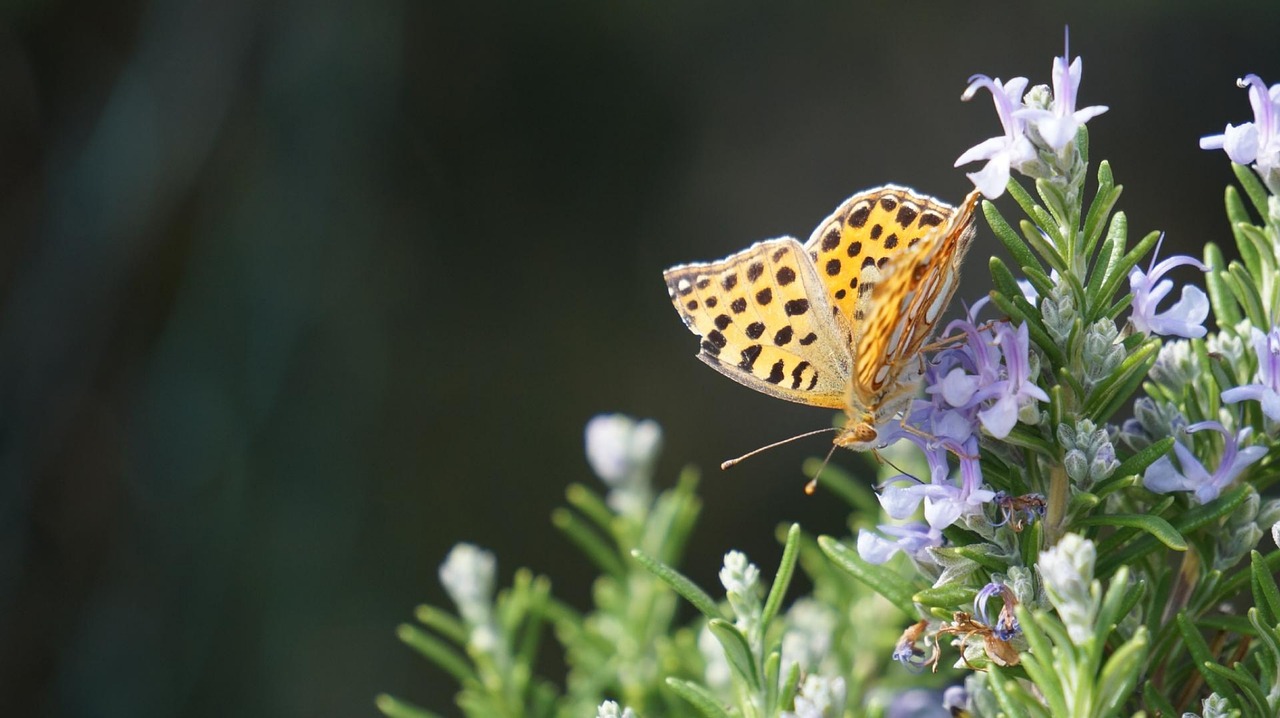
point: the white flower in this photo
(739, 575)
(621, 451)
(1001, 153)
(1067, 574)
(809, 626)
(467, 575)
(819, 697)
(610, 709)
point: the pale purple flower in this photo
(1266, 386)
(1058, 126)
(1016, 390)
(1011, 150)
(1163, 477)
(1256, 142)
(944, 501)
(911, 539)
(1185, 318)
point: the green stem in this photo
(1059, 495)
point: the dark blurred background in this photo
(298, 294)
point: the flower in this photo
(819, 697)
(1005, 626)
(1163, 477)
(912, 539)
(1185, 318)
(1058, 126)
(1066, 572)
(467, 575)
(1001, 153)
(610, 709)
(1017, 389)
(1266, 387)
(621, 451)
(1256, 142)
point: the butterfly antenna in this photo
(725, 466)
(812, 486)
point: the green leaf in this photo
(1138, 463)
(1103, 202)
(437, 652)
(1119, 272)
(442, 622)
(736, 650)
(1001, 686)
(883, 581)
(1039, 662)
(680, 584)
(1042, 245)
(787, 696)
(589, 542)
(781, 580)
(1022, 255)
(1120, 673)
(1154, 525)
(1109, 256)
(1225, 308)
(1266, 596)
(1185, 524)
(1123, 381)
(1247, 244)
(1202, 658)
(952, 596)
(1252, 187)
(1246, 293)
(1157, 703)
(697, 696)
(1248, 687)
(1003, 278)
(395, 708)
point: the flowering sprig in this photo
(1070, 553)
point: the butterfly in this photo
(840, 321)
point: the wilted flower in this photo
(1005, 624)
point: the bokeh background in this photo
(295, 295)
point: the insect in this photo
(840, 321)
(1019, 511)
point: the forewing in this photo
(910, 294)
(765, 321)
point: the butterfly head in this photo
(859, 435)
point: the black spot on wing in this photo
(739, 305)
(764, 296)
(930, 219)
(749, 356)
(875, 231)
(833, 267)
(754, 271)
(831, 240)
(906, 215)
(808, 339)
(796, 374)
(786, 275)
(783, 336)
(729, 282)
(888, 203)
(775, 372)
(891, 241)
(712, 302)
(723, 321)
(855, 249)
(716, 338)
(858, 217)
(796, 307)
(755, 329)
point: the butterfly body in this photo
(839, 321)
